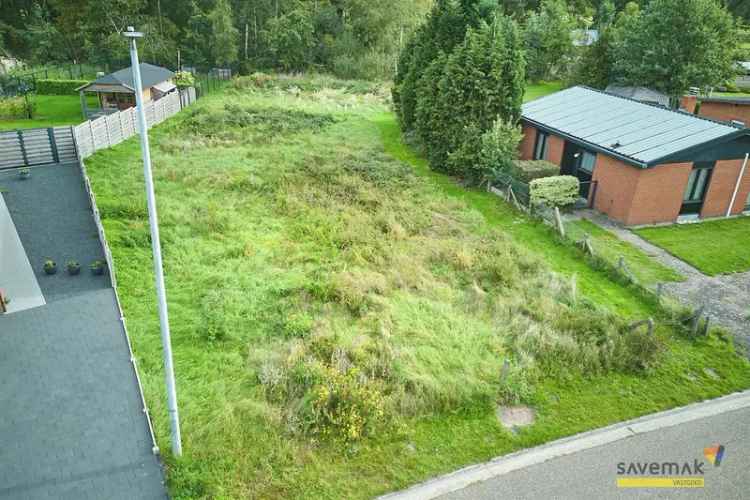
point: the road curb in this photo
(462, 478)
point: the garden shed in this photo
(116, 91)
(640, 163)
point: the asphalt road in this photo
(592, 473)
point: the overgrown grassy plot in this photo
(340, 321)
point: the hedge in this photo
(557, 191)
(58, 87)
(528, 170)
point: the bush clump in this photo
(12, 108)
(557, 191)
(59, 87)
(528, 170)
(227, 123)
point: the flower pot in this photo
(74, 269)
(97, 268)
(24, 174)
(50, 268)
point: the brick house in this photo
(726, 109)
(638, 163)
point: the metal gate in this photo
(36, 146)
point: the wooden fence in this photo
(36, 146)
(109, 130)
(44, 146)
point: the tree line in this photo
(352, 38)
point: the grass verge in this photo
(340, 313)
(646, 270)
(713, 246)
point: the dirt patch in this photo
(513, 417)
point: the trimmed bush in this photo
(557, 191)
(58, 87)
(528, 170)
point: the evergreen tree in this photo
(445, 28)
(482, 81)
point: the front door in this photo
(697, 187)
(579, 163)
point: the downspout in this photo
(737, 186)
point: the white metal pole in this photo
(174, 416)
(737, 186)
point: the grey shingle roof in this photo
(641, 134)
(150, 76)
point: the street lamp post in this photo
(174, 416)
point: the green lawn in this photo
(714, 247)
(537, 90)
(52, 111)
(646, 270)
(309, 253)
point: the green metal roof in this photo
(150, 76)
(639, 134)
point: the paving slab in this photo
(54, 220)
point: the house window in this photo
(588, 161)
(697, 186)
(540, 147)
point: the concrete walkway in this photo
(586, 466)
(724, 297)
(72, 424)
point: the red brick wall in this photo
(688, 103)
(721, 188)
(555, 145)
(616, 186)
(527, 143)
(659, 194)
(726, 111)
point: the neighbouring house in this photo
(725, 108)
(638, 163)
(116, 91)
(584, 38)
(642, 94)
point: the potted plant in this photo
(50, 266)
(97, 267)
(73, 267)
(24, 173)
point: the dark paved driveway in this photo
(71, 419)
(591, 474)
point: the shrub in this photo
(528, 170)
(16, 107)
(499, 149)
(557, 191)
(184, 79)
(59, 87)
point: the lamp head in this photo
(132, 33)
